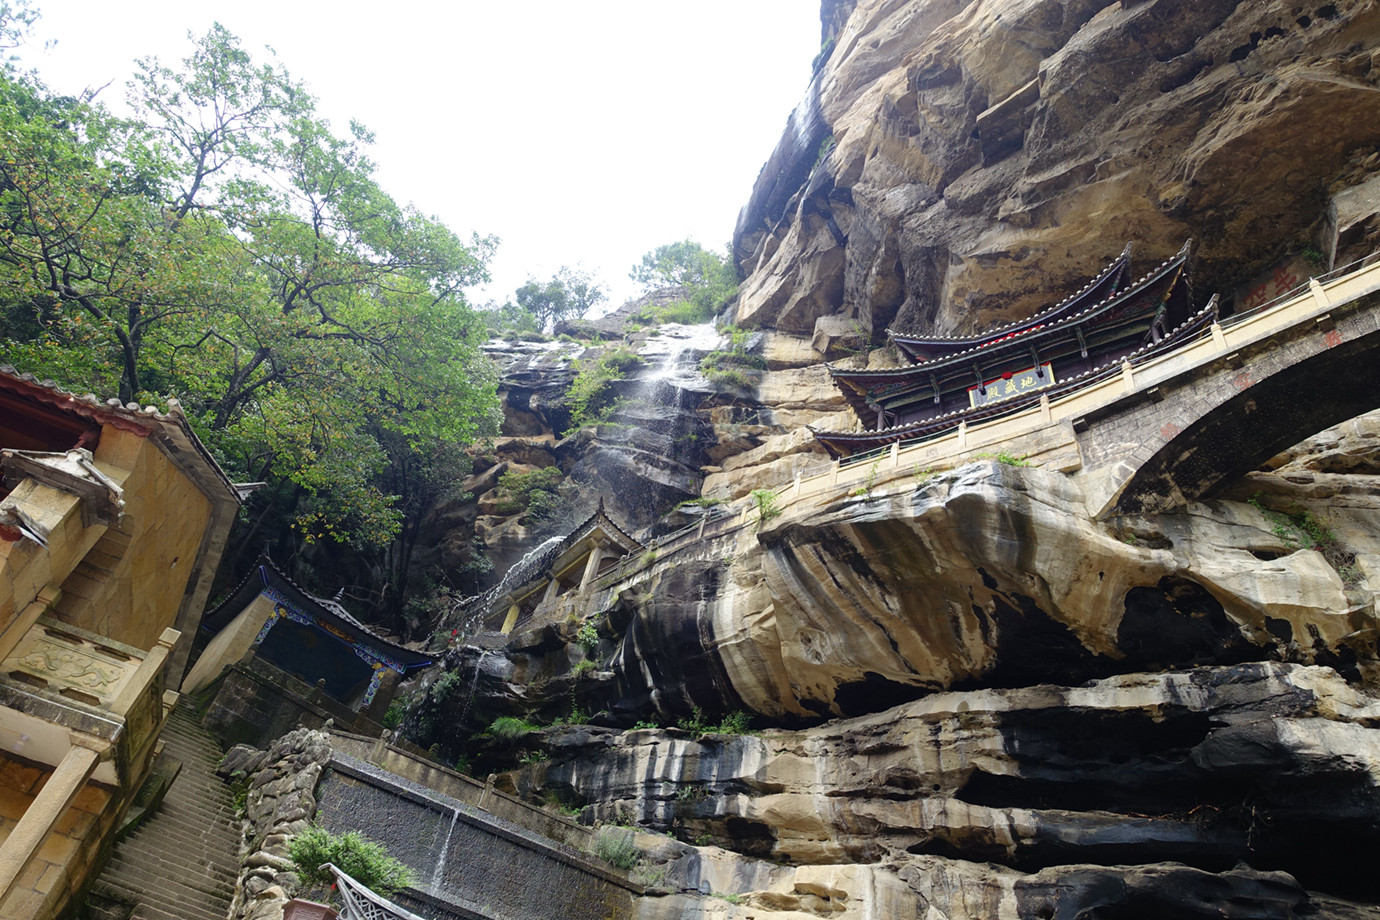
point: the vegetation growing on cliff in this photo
(734, 367)
(768, 505)
(591, 394)
(1298, 527)
(535, 493)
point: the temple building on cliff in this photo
(544, 583)
(277, 656)
(972, 378)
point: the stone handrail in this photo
(85, 668)
(86, 705)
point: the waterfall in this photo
(671, 349)
(437, 872)
(479, 607)
(474, 685)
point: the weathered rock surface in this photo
(989, 575)
(985, 703)
(280, 801)
(1158, 715)
(1137, 795)
(959, 162)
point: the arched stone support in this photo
(1189, 436)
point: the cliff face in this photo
(1027, 710)
(956, 162)
(977, 701)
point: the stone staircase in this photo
(181, 862)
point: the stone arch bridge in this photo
(1177, 427)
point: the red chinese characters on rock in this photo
(1281, 282)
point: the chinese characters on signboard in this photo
(1013, 384)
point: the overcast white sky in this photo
(580, 133)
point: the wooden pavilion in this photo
(969, 378)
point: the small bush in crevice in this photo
(590, 395)
(616, 846)
(536, 493)
(733, 368)
(1006, 458)
(1300, 528)
(362, 859)
(768, 505)
(510, 728)
(736, 722)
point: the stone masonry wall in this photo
(71, 848)
(279, 804)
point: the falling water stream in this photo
(667, 353)
(522, 567)
(474, 685)
(437, 877)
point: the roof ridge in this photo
(1211, 306)
(1071, 318)
(1125, 256)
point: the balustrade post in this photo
(1219, 337)
(1319, 292)
(148, 670)
(48, 596)
(48, 806)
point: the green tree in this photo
(228, 247)
(509, 317)
(570, 293)
(683, 263)
(709, 280)
(16, 19)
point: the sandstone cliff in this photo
(975, 699)
(956, 161)
(1025, 708)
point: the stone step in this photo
(193, 870)
(182, 862)
(191, 839)
(151, 875)
(216, 824)
(187, 837)
(215, 798)
(193, 812)
(190, 906)
(168, 888)
(209, 756)
(183, 840)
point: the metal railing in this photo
(1300, 290)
